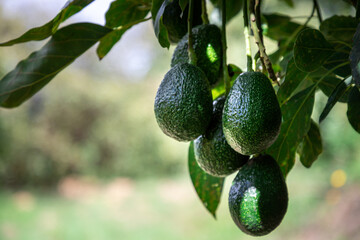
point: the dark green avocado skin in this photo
(258, 197)
(252, 115)
(183, 103)
(212, 153)
(175, 20)
(208, 49)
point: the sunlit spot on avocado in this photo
(211, 54)
(249, 208)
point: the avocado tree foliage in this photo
(307, 59)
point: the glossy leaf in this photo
(296, 123)
(353, 111)
(45, 31)
(311, 146)
(33, 73)
(355, 57)
(340, 89)
(161, 32)
(311, 50)
(124, 12)
(207, 187)
(294, 76)
(122, 15)
(339, 28)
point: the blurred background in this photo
(85, 159)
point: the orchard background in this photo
(84, 158)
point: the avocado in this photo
(208, 49)
(175, 20)
(258, 197)
(251, 115)
(183, 103)
(212, 153)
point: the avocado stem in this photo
(255, 21)
(204, 15)
(247, 38)
(191, 51)
(224, 46)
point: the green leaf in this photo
(311, 50)
(124, 12)
(355, 57)
(340, 89)
(337, 58)
(294, 76)
(311, 146)
(122, 15)
(233, 7)
(183, 4)
(33, 73)
(157, 11)
(353, 111)
(234, 71)
(279, 27)
(296, 123)
(339, 28)
(328, 85)
(207, 187)
(45, 31)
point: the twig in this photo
(318, 12)
(224, 46)
(247, 37)
(255, 20)
(192, 55)
(204, 15)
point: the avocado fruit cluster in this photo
(230, 133)
(212, 152)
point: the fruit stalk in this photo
(247, 38)
(223, 38)
(255, 20)
(192, 55)
(204, 15)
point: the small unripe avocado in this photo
(212, 153)
(208, 49)
(252, 115)
(183, 103)
(258, 197)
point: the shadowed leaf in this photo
(311, 146)
(340, 90)
(45, 31)
(339, 28)
(353, 111)
(355, 57)
(296, 123)
(207, 187)
(311, 50)
(293, 78)
(33, 73)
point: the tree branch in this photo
(255, 20)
